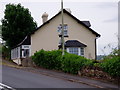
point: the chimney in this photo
(44, 17)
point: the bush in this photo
(5, 53)
(73, 63)
(112, 66)
(48, 59)
(53, 59)
(39, 58)
(69, 63)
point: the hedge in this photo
(48, 59)
(112, 66)
(72, 63)
(69, 63)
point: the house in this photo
(79, 38)
(22, 50)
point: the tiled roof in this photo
(74, 43)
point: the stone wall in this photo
(95, 72)
(27, 62)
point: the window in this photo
(25, 46)
(82, 51)
(74, 51)
(65, 29)
(65, 33)
(15, 53)
(26, 52)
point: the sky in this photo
(102, 14)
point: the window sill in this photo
(64, 36)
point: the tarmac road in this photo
(17, 78)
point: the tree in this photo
(17, 24)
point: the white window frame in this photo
(79, 50)
(65, 29)
(24, 47)
(82, 51)
(15, 53)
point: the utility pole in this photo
(62, 38)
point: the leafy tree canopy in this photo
(17, 24)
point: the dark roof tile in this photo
(74, 43)
(87, 23)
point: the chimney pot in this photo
(44, 17)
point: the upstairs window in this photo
(65, 30)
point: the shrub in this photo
(69, 63)
(53, 59)
(48, 59)
(112, 66)
(73, 63)
(39, 58)
(5, 52)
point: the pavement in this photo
(72, 78)
(66, 76)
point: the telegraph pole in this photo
(62, 38)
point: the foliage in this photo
(48, 59)
(5, 52)
(17, 24)
(112, 66)
(115, 52)
(72, 63)
(69, 63)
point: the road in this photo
(17, 78)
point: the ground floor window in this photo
(15, 53)
(82, 51)
(26, 52)
(76, 50)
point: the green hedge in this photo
(112, 66)
(72, 63)
(69, 63)
(48, 59)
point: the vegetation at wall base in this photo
(71, 63)
(48, 59)
(5, 52)
(112, 66)
(68, 63)
(111, 63)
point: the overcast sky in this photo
(102, 14)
